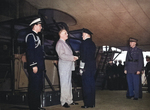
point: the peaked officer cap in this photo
(87, 31)
(38, 20)
(132, 39)
(147, 56)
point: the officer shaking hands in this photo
(88, 69)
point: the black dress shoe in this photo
(84, 107)
(140, 97)
(91, 106)
(74, 103)
(66, 105)
(87, 106)
(135, 99)
(41, 109)
(129, 97)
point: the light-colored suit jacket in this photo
(65, 55)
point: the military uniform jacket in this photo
(109, 70)
(147, 69)
(87, 55)
(121, 70)
(134, 60)
(34, 51)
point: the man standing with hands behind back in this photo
(133, 68)
(65, 67)
(88, 69)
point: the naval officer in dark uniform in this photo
(147, 72)
(133, 68)
(122, 76)
(110, 75)
(35, 64)
(88, 69)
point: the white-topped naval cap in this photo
(38, 20)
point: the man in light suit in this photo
(65, 66)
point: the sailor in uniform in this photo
(147, 72)
(110, 75)
(88, 69)
(35, 64)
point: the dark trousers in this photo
(148, 82)
(110, 83)
(88, 86)
(133, 84)
(116, 83)
(140, 88)
(34, 89)
(123, 83)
